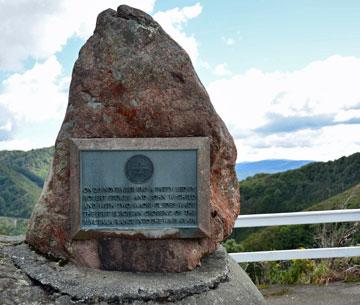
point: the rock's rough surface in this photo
(29, 278)
(132, 80)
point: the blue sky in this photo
(274, 35)
(283, 75)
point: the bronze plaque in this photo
(154, 188)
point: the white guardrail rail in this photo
(295, 218)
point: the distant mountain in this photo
(248, 169)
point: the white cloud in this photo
(173, 22)
(203, 64)
(228, 40)
(36, 95)
(328, 143)
(222, 70)
(39, 29)
(31, 99)
(7, 126)
(309, 108)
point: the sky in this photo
(283, 75)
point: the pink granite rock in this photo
(132, 80)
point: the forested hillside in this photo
(22, 175)
(311, 236)
(298, 189)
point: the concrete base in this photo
(218, 281)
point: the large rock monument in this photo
(142, 188)
(132, 80)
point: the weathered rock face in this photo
(132, 80)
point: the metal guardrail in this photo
(297, 218)
(280, 255)
(278, 219)
(313, 217)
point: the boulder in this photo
(132, 80)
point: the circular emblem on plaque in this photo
(139, 169)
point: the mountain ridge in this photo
(247, 169)
(297, 189)
(22, 175)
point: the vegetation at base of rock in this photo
(22, 175)
(304, 271)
